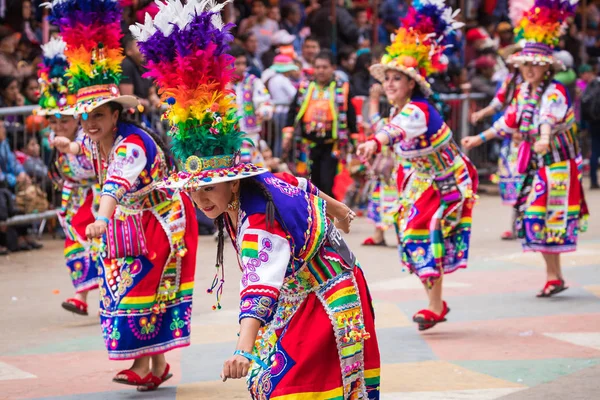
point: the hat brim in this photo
(46, 112)
(378, 72)
(183, 181)
(284, 68)
(521, 58)
(126, 101)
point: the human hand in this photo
(476, 117)
(235, 368)
(61, 143)
(366, 150)
(541, 146)
(95, 229)
(375, 92)
(470, 142)
(23, 178)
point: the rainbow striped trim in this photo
(97, 93)
(250, 246)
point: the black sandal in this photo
(558, 286)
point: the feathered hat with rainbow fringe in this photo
(92, 31)
(185, 48)
(417, 48)
(540, 28)
(55, 97)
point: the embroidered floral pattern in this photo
(249, 273)
(283, 187)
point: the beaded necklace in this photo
(531, 102)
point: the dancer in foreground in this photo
(306, 321)
(438, 194)
(73, 174)
(149, 237)
(551, 206)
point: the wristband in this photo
(103, 219)
(251, 357)
(482, 137)
(374, 138)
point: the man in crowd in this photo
(346, 29)
(262, 26)
(325, 117)
(310, 49)
(133, 83)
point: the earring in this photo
(234, 204)
(115, 129)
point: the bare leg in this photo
(159, 363)
(436, 304)
(553, 268)
(82, 296)
(378, 235)
(141, 366)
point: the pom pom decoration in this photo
(544, 22)
(92, 31)
(185, 48)
(51, 77)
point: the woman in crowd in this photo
(306, 322)
(437, 196)
(149, 238)
(550, 204)
(73, 174)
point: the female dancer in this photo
(74, 173)
(306, 323)
(434, 220)
(145, 292)
(550, 205)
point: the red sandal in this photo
(429, 319)
(133, 379)
(370, 242)
(154, 382)
(557, 285)
(508, 235)
(75, 306)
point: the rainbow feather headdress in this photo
(185, 48)
(540, 29)
(418, 46)
(55, 97)
(92, 32)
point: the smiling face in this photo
(100, 123)
(213, 200)
(65, 126)
(398, 87)
(534, 74)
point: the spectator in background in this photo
(290, 21)
(388, 26)
(262, 26)
(30, 90)
(12, 171)
(9, 64)
(132, 82)
(478, 41)
(250, 45)
(505, 34)
(282, 43)
(346, 63)
(20, 18)
(278, 81)
(365, 30)
(361, 81)
(320, 26)
(310, 49)
(9, 92)
(274, 13)
(568, 77)
(33, 164)
(482, 79)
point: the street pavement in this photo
(500, 341)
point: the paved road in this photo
(500, 341)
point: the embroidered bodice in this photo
(421, 137)
(134, 164)
(269, 254)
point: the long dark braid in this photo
(511, 89)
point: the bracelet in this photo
(251, 357)
(103, 219)
(374, 138)
(482, 137)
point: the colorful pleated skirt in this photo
(383, 204)
(555, 209)
(434, 221)
(146, 300)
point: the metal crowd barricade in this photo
(458, 118)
